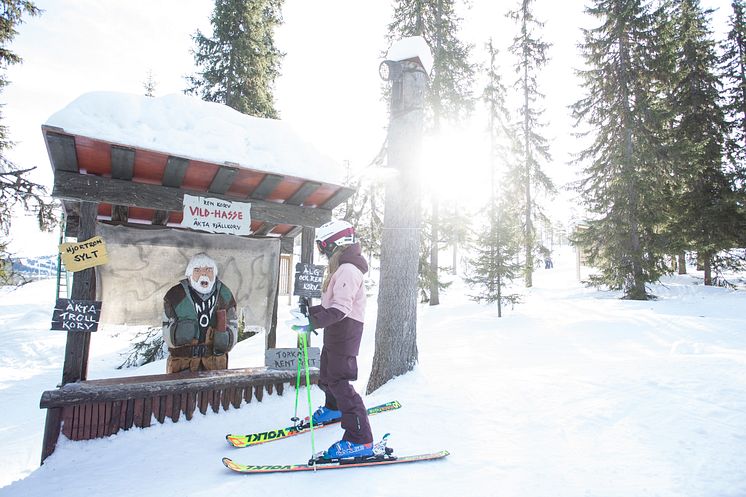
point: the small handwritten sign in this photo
(216, 215)
(76, 315)
(288, 358)
(77, 256)
(308, 280)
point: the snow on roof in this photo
(189, 127)
(410, 48)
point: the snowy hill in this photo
(573, 393)
(35, 267)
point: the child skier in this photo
(341, 314)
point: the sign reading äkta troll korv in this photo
(216, 215)
(76, 315)
(77, 256)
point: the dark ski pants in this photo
(335, 375)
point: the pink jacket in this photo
(342, 308)
(346, 292)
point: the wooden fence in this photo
(99, 408)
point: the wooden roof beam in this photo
(175, 170)
(122, 167)
(267, 186)
(62, 152)
(305, 191)
(264, 229)
(298, 198)
(173, 176)
(92, 188)
(339, 196)
(122, 162)
(223, 179)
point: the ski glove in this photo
(301, 329)
(300, 322)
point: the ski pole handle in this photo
(303, 307)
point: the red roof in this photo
(71, 153)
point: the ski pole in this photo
(303, 306)
(303, 339)
(295, 418)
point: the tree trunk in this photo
(434, 276)
(454, 268)
(635, 289)
(396, 325)
(682, 263)
(529, 236)
(707, 266)
(434, 290)
(499, 296)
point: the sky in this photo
(329, 89)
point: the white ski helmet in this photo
(333, 234)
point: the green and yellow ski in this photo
(242, 441)
(340, 464)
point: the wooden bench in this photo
(99, 408)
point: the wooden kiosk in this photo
(100, 182)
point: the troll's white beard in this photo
(204, 285)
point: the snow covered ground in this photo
(573, 393)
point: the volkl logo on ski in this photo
(267, 435)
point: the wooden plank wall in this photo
(107, 406)
(96, 420)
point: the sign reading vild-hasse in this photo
(216, 215)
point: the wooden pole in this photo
(307, 246)
(52, 427)
(75, 367)
(271, 341)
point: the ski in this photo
(242, 441)
(314, 465)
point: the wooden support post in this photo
(272, 335)
(51, 432)
(307, 245)
(75, 367)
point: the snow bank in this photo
(189, 127)
(573, 393)
(411, 48)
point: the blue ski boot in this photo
(345, 449)
(325, 415)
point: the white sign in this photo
(216, 215)
(288, 358)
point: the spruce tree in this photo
(706, 210)
(240, 62)
(498, 242)
(15, 186)
(662, 83)
(530, 51)
(149, 84)
(448, 97)
(733, 66)
(364, 210)
(623, 173)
